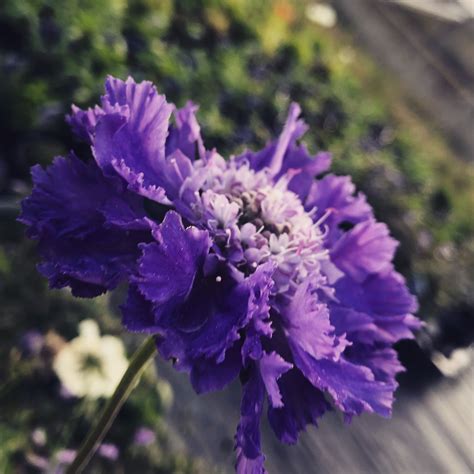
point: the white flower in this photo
(90, 365)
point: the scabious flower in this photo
(91, 365)
(60, 461)
(264, 266)
(109, 451)
(144, 436)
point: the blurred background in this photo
(386, 86)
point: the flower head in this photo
(144, 436)
(257, 267)
(108, 451)
(90, 365)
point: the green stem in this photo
(129, 380)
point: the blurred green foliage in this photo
(243, 62)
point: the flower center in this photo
(246, 210)
(283, 232)
(90, 362)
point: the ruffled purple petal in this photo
(304, 168)
(307, 325)
(352, 387)
(260, 284)
(137, 313)
(83, 122)
(303, 404)
(364, 250)
(208, 324)
(388, 295)
(272, 155)
(126, 214)
(292, 130)
(393, 328)
(68, 214)
(353, 323)
(377, 310)
(208, 376)
(285, 156)
(247, 439)
(178, 169)
(272, 366)
(334, 200)
(168, 266)
(383, 294)
(370, 329)
(383, 362)
(185, 136)
(133, 144)
(137, 182)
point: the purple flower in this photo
(66, 456)
(108, 451)
(248, 267)
(32, 343)
(144, 436)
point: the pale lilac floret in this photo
(261, 266)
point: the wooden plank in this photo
(431, 432)
(432, 60)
